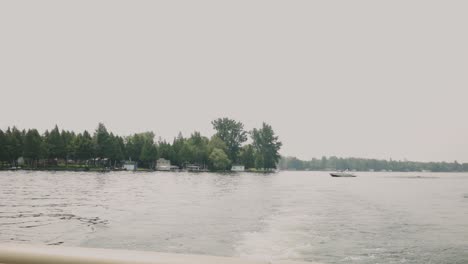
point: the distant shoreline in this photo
(103, 170)
(370, 165)
(95, 169)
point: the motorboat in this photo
(342, 174)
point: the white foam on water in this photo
(284, 237)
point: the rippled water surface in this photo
(374, 218)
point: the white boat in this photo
(342, 174)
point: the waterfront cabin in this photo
(238, 168)
(129, 166)
(163, 165)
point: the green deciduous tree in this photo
(55, 144)
(134, 144)
(116, 148)
(199, 149)
(3, 148)
(149, 153)
(219, 160)
(267, 147)
(142, 148)
(83, 146)
(180, 151)
(232, 133)
(14, 145)
(247, 156)
(165, 150)
(216, 142)
(34, 147)
(102, 141)
(68, 138)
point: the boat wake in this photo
(280, 240)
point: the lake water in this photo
(374, 218)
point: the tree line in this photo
(103, 148)
(360, 164)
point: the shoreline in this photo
(104, 170)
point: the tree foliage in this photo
(247, 156)
(219, 152)
(83, 147)
(267, 147)
(219, 159)
(34, 147)
(232, 133)
(55, 144)
(3, 144)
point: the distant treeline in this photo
(103, 148)
(359, 164)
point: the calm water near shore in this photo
(374, 218)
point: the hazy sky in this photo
(383, 79)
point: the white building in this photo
(163, 165)
(130, 166)
(20, 161)
(238, 168)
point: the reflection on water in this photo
(374, 218)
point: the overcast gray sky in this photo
(383, 79)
